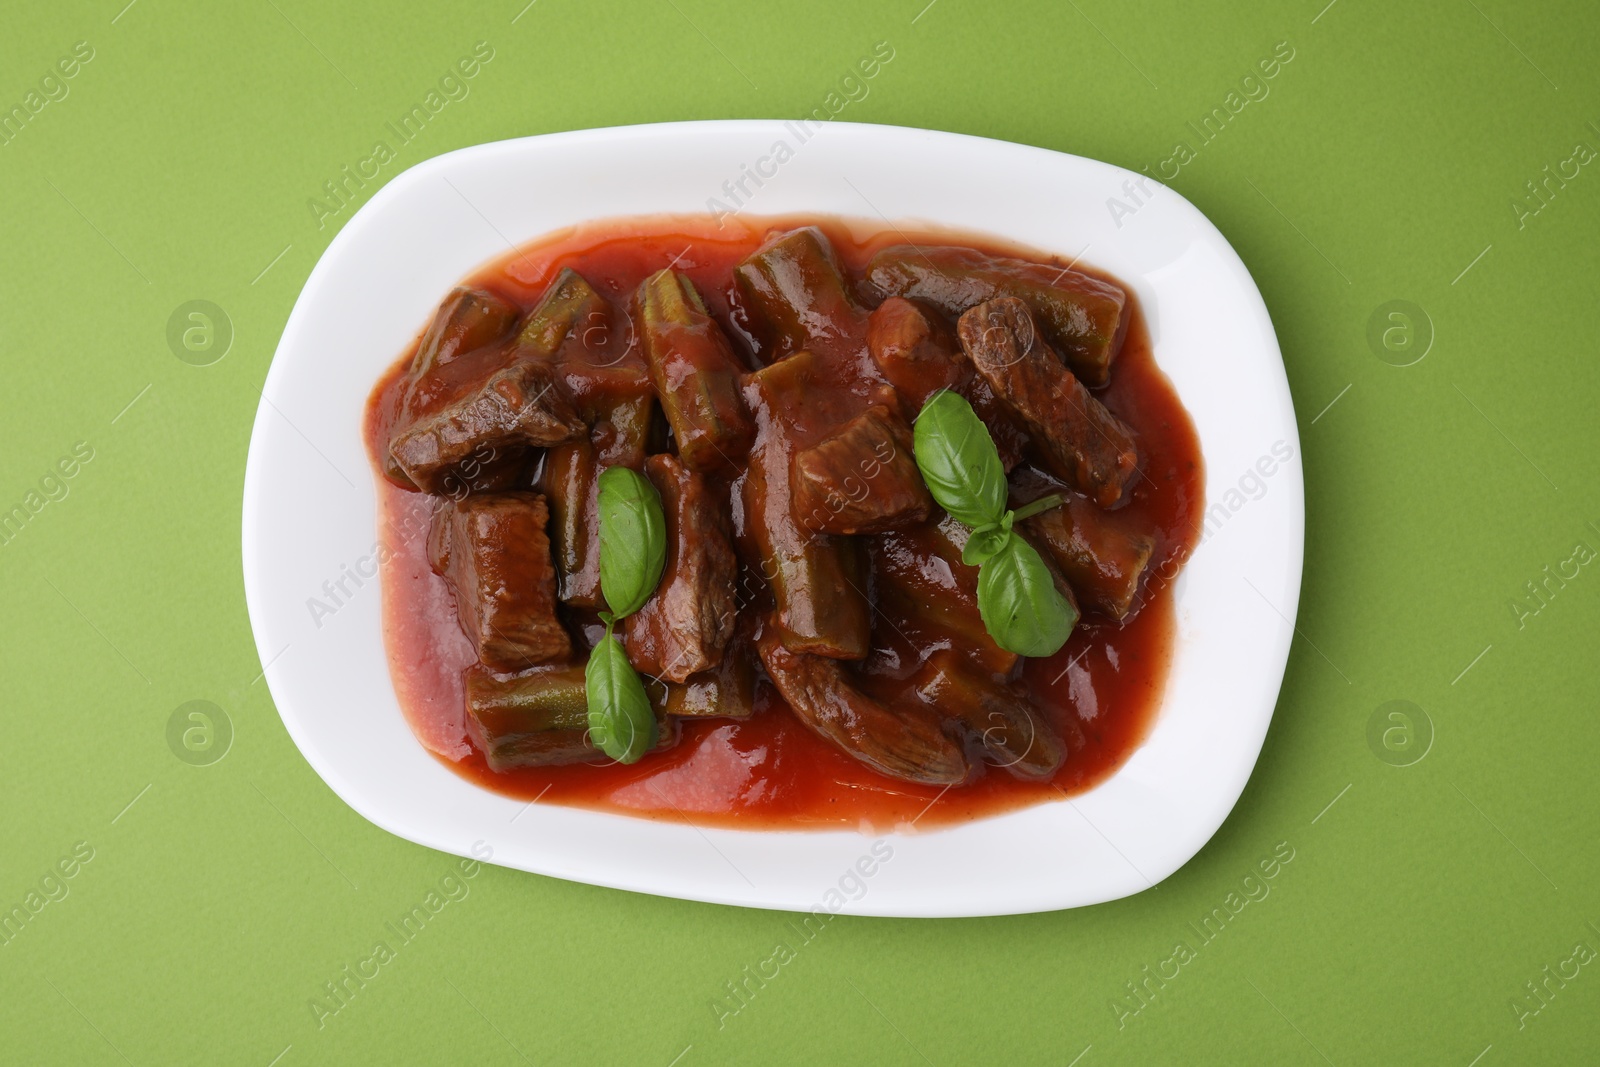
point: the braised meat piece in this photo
(1101, 555)
(815, 578)
(901, 743)
(493, 551)
(518, 405)
(861, 479)
(685, 625)
(1014, 735)
(920, 356)
(914, 350)
(1085, 317)
(1079, 440)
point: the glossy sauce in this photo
(770, 772)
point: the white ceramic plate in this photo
(309, 509)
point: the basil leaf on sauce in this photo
(985, 543)
(633, 539)
(1017, 596)
(1021, 607)
(621, 723)
(958, 460)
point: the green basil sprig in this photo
(633, 553)
(1017, 597)
(621, 722)
(633, 540)
(958, 460)
(1021, 607)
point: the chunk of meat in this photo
(901, 743)
(862, 479)
(1102, 555)
(920, 356)
(685, 625)
(493, 551)
(516, 406)
(1084, 316)
(914, 350)
(1078, 439)
(1015, 736)
(814, 577)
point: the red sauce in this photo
(770, 772)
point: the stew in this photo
(830, 631)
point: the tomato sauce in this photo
(770, 772)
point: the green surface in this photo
(1383, 165)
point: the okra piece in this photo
(468, 320)
(569, 481)
(621, 433)
(726, 691)
(696, 374)
(861, 479)
(795, 292)
(814, 577)
(685, 625)
(904, 742)
(569, 308)
(1013, 733)
(1084, 317)
(538, 718)
(618, 407)
(571, 471)
(1101, 553)
(921, 578)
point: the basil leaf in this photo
(621, 723)
(633, 539)
(1021, 607)
(985, 542)
(958, 460)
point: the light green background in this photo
(1383, 163)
